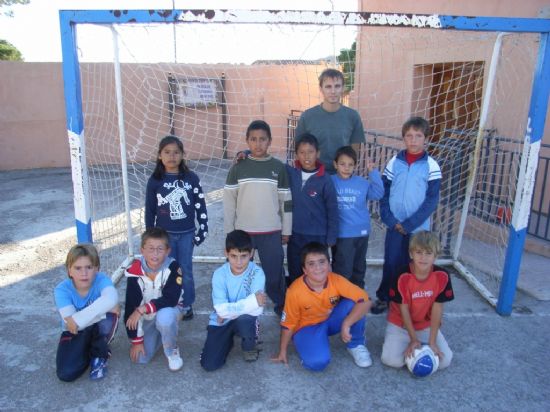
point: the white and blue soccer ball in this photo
(423, 362)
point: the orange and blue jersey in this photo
(305, 307)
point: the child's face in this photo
(307, 155)
(423, 260)
(155, 251)
(332, 90)
(414, 141)
(238, 260)
(316, 267)
(171, 157)
(258, 143)
(344, 166)
(83, 272)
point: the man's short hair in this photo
(417, 123)
(259, 125)
(155, 233)
(82, 250)
(347, 151)
(313, 248)
(330, 74)
(240, 240)
(306, 138)
(425, 240)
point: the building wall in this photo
(32, 115)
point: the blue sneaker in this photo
(98, 368)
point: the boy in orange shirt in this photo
(320, 304)
(416, 307)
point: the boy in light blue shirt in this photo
(353, 193)
(238, 298)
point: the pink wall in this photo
(32, 116)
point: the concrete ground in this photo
(500, 363)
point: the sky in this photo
(34, 30)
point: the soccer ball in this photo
(423, 362)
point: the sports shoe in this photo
(379, 307)
(361, 356)
(98, 368)
(187, 314)
(251, 355)
(175, 362)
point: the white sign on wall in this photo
(193, 92)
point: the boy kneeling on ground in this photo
(320, 304)
(416, 308)
(238, 298)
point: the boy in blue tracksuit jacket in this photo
(412, 181)
(314, 203)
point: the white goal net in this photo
(205, 82)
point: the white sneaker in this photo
(175, 362)
(361, 356)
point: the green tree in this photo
(5, 4)
(9, 52)
(346, 58)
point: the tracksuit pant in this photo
(74, 352)
(219, 340)
(312, 342)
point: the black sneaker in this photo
(188, 315)
(251, 355)
(380, 306)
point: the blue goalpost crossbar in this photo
(535, 122)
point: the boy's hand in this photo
(261, 298)
(71, 325)
(284, 239)
(280, 358)
(413, 344)
(243, 154)
(220, 320)
(400, 229)
(134, 318)
(436, 350)
(136, 350)
(345, 333)
(370, 166)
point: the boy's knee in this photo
(67, 375)
(210, 365)
(392, 361)
(316, 364)
(166, 318)
(445, 360)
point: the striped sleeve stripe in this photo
(248, 181)
(388, 171)
(434, 170)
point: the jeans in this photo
(349, 259)
(160, 331)
(181, 245)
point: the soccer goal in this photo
(133, 76)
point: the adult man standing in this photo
(333, 124)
